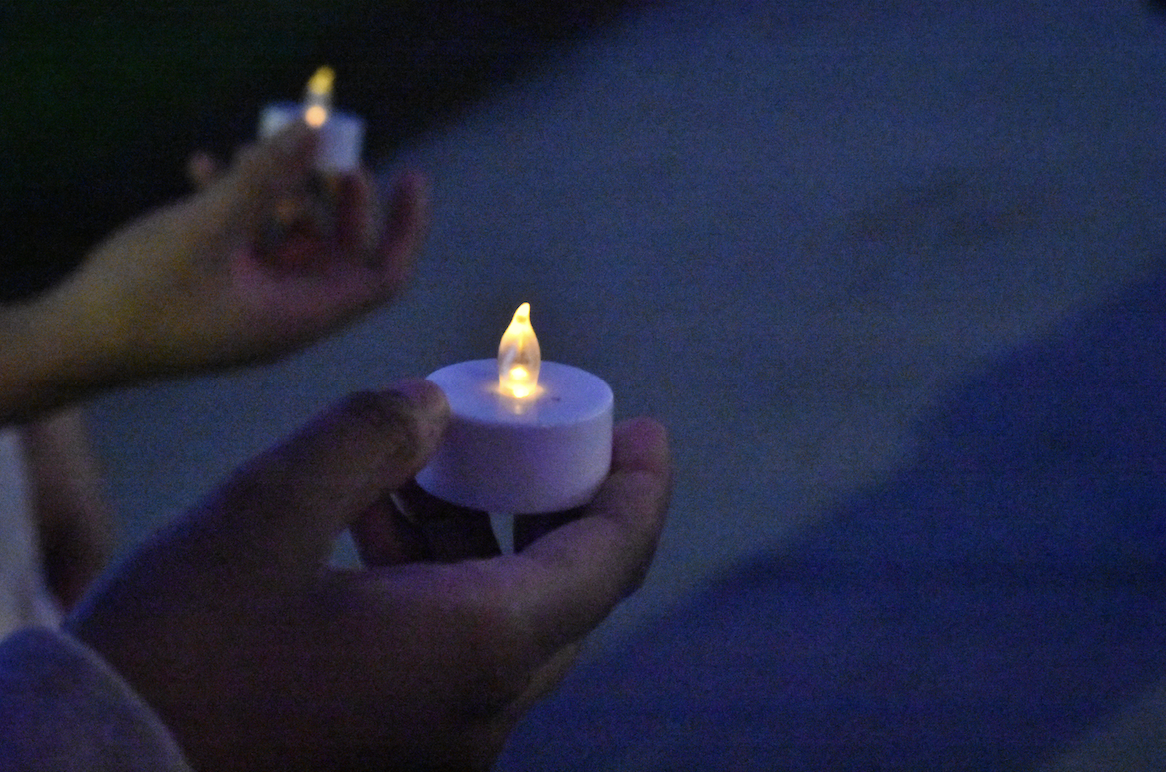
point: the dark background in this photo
(105, 100)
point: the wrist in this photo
(56, 351)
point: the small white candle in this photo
(525, 436)
(341, 134)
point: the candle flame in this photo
(519, 357)
(318, 97)
(321, 81)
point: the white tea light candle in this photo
(341, 134)
(525, 436)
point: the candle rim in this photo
(548, 409)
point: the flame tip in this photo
(518, 357)
(321, 80)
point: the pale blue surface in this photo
(983, 609)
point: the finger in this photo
(261, 175)
(452, 532)
(571, 578)
(202, 169)
(539, 682)
(385, 537)
(531, 528)
(410, 526)
(404, 229)
(289, 504)
(358, 219)
(549, 675)
(366, 264)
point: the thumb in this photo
(287, 506)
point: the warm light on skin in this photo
(518, 357)
(318, 97)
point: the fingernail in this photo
(425, 396)
(429, 408)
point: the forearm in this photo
(50, 356)
(69, 502)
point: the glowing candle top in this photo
(318, 97)
(536, 440)
(341, 134)
(518, 357)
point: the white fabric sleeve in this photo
(63, 708)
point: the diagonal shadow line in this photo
(983, 609)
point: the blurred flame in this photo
(318, 97)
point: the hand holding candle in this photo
(216, 291)
(313, 210)
(405, 665)
(525, 436)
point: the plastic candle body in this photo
(521, 445)
(341, 134)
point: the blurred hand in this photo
(260, 656)
(202, 284)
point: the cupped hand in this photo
(202, 284)
(259, 655)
